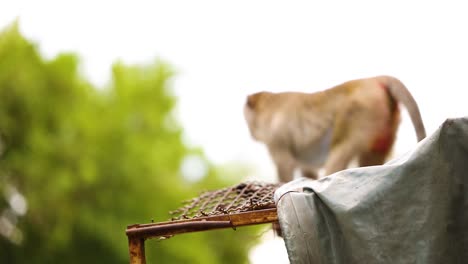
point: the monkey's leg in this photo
(339, 158)
(382, 144)
(354, 129)
(351, 145)
(372, 158)
(309, 172)
(285, 164)
(285, 169)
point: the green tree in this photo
(88, 162)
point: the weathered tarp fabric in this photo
(413, 209)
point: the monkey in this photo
(328, 129)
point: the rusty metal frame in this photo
(138, 233)
(248, 203)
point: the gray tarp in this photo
(413, 209)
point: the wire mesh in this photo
(243, 197)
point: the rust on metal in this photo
(244, 204)
(170, 228)
(136, 248)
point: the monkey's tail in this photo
(400, 93)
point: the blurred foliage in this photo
(89, 162)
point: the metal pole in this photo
(136, 247)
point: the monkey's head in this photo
(254, 106)
(256, 101)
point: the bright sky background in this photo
(223, 51)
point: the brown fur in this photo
(358, 118)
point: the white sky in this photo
(223, 51)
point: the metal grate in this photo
(248, 196)
(248, 203)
